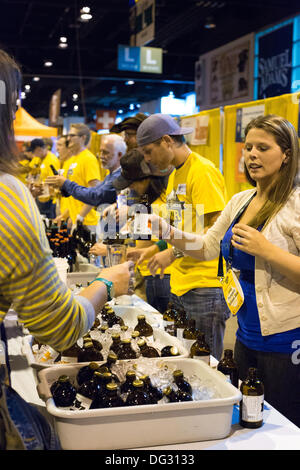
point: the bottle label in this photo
(252, 408)
(81, 402)
(49, 355)
(188, 343)
(205, 359)
(68, 359)
(179, 333)
(169, 327)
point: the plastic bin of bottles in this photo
(144, 425)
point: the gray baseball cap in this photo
(157, 125)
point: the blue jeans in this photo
(207, 306)
(158, 291)
(280, 375)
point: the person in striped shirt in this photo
(29, 281)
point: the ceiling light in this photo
(131, 107)
(48, 63)
(75, 96)
(120, 111)
(36, 79)
(63, 39)
(63, 45)
(27, 87)
(76, 107)
(130, 82)
(64, 104)
(85, 14)
(209, 23)
(23, 95)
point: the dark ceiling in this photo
(30, 30)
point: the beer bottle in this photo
(116, 343)
(127, 386)
(70, 355)
(112, 398)
(86, 372)
(113, 319)
(86, 393)
(181, 382)
(252, 403)
(96, 324)
(138, 396)
(176, 396)
(169, 318)
(126, 350)
(189, 334)
(180, 322)
(89, 353)
(143, 327)
(229, 368)
(147, 351)
(63, 392)
(167, 351)
(200, 349)
(108, 365)
(154, 392)
(103, 379)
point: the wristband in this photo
(109, 287)
(162, 245)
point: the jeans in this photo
(158, 291)
(207, 306)
(280, 374)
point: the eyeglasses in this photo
(73, 135)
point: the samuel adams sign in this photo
(275, 62)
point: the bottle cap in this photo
(63, 378)
(130, 373)
(141, 342)
(93, 365)
(112, 386)
(141, 317)
(115, 335)
(112, 356)
(178, 373)
(174, 351)
(138, 383)
(135, 334)
(126, 341)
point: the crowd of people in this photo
(255, 235)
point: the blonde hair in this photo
(286, 138)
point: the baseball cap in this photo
(132, 122)
(157, 125)
(36, 143)
(133, 168)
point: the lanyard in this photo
(230, 257)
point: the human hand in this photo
(99, 249)
(138, 255)
(56, 181)
(36, 189)
(249, 240)
(121, 275)
(161, 261)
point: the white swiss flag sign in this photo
(105, 118)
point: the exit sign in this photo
(140, 59)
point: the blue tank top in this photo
(249, 331)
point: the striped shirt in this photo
(29, 281)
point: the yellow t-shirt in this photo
(199, 186)
(158, 208)
(82, 168)
(50, 159)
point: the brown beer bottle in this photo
(116, 343)
(147, 351)
(126, 350)
(229, 368)
(180, 381)
(169, 318)
(127, 386)
(112, 398)
(176, 396)
(252, 403)
(63, 392)
(189, 334)
(138, 396)
(70, 355)
(167, 351)
(200, 349)
(89, 353)
(143, 327)
(86, 372)
(154, 393)
(113, 319)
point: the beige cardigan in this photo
(278, 298)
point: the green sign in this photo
(151, 60)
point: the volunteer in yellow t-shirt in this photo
(136, 175)
(83, 169)
(41, 161)
(196, 196)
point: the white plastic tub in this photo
(147, 425)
